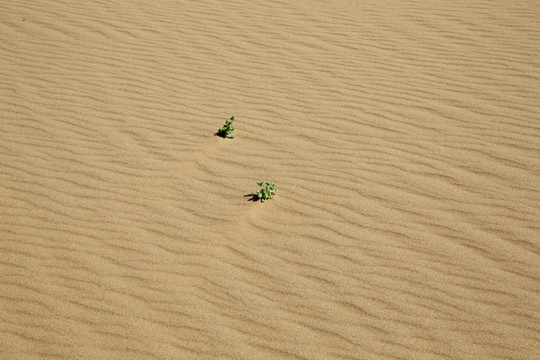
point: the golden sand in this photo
(403, 138)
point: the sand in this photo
(403, 138)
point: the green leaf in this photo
(226, 130)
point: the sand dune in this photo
(404, 139)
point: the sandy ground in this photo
(403, 136)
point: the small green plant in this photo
(227, 129)
(267, 191)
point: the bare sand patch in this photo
(403, 138)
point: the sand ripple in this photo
(404, 139)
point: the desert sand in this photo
(403, 138)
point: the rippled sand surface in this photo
(403, 137)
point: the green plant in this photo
(267, 191)
(226, 130)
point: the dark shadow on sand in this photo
(252, 197)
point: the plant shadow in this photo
(222, 136)
(252, 197)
